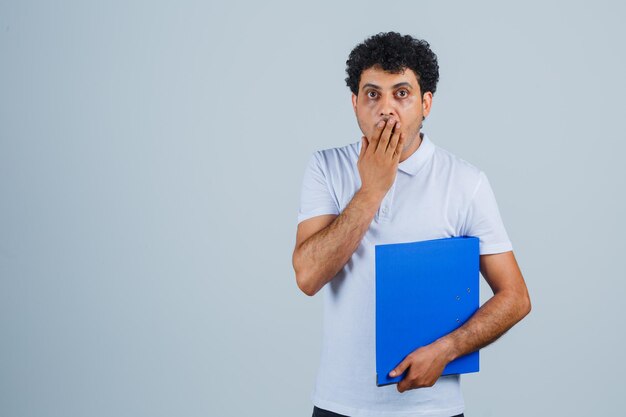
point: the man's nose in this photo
(387, 108)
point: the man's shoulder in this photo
(460, 172)
(455, 162)
(340, 151)
(339, 157)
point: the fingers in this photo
(363, 147)
(403, 386)
(393, 142)
(385, 136)
(373, 141)
(408, 382)
(413, 380)
(399, 147)
(398, 370)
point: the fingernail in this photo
(392, 373)
(381, 123)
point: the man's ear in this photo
(354, 97)
(427, 102)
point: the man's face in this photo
(383, 95)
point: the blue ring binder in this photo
(424, 290)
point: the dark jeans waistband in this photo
(320, 412)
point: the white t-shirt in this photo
(435, 195)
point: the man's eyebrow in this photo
(403, 84)
(376, 87)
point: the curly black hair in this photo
(394, 52)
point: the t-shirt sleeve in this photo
(315, 197)
(483, 220)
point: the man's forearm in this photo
(492, 320)
(320, 257)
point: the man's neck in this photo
(413, 147)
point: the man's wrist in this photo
(370, 197)
(447, 347)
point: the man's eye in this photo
(403, 93)
(371, 94)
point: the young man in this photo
(395, 185)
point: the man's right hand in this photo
(324, 244)
(379, 158)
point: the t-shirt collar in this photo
(419, 158)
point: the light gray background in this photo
(151, 157)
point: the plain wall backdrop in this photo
(151, 157)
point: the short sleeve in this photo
(483, 220)
(315, 197)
